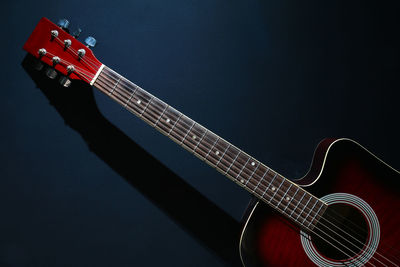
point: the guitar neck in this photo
(280, 193)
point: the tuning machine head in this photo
(51, 73)
(77, 32)
(64, 81)
(36, 64)
(63, 24)
(90, 42)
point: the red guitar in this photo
(344, 212)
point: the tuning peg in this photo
(63, 24)
(76, 33)
(36, 64)
(64, 81)
(90, 42)
(51, 73)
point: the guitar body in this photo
(352, 179)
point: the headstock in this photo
(62, 52)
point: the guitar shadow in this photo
(173, 196)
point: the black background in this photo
(272, 77)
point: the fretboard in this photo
(280, 193)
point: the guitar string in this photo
(85, 59)
(284, 195)
(311, 210)
(71, 49)
(328, 235)
(257, 193)
(86, 72)
(86, 77)
(199, 135)
(95, 64)
(309, 214)
(158, 115)
(81, 71)
(104, 89)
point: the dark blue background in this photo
(272, 77)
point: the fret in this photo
(209, 154)
(180, 116)
(301, 199)
(244, 165)
(173, 126)
(228, 159)
(213, 143)
(276, 191)
(251, 175)
(262, 178)
(188, 131)
(289, 202)
(194, 149)
(272, 186)
(124, 88)
(153, 110)
(146, 106)
(157, 106)
(142, 97)
(233, 161)
(181, 128)
(159, 118)
(136, 100)
(130, 97)
(119, 79)
(313, 218)
(303, 208)
(284, 195)
(225, 159)
(168, 119)
(259, 174)
(120, 93)
(150, 114)
(193, 139)
(222, 156)
(117, 97)
(273, 179)
(110, 73)
(107, 79)
(309, 212)
(249, 168)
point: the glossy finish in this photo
(90, 41)
(338, 166)
(63, 23)
(52, 38)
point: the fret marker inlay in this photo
(244, 170)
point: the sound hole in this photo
(341, 233)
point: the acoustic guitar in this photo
(343, 212)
